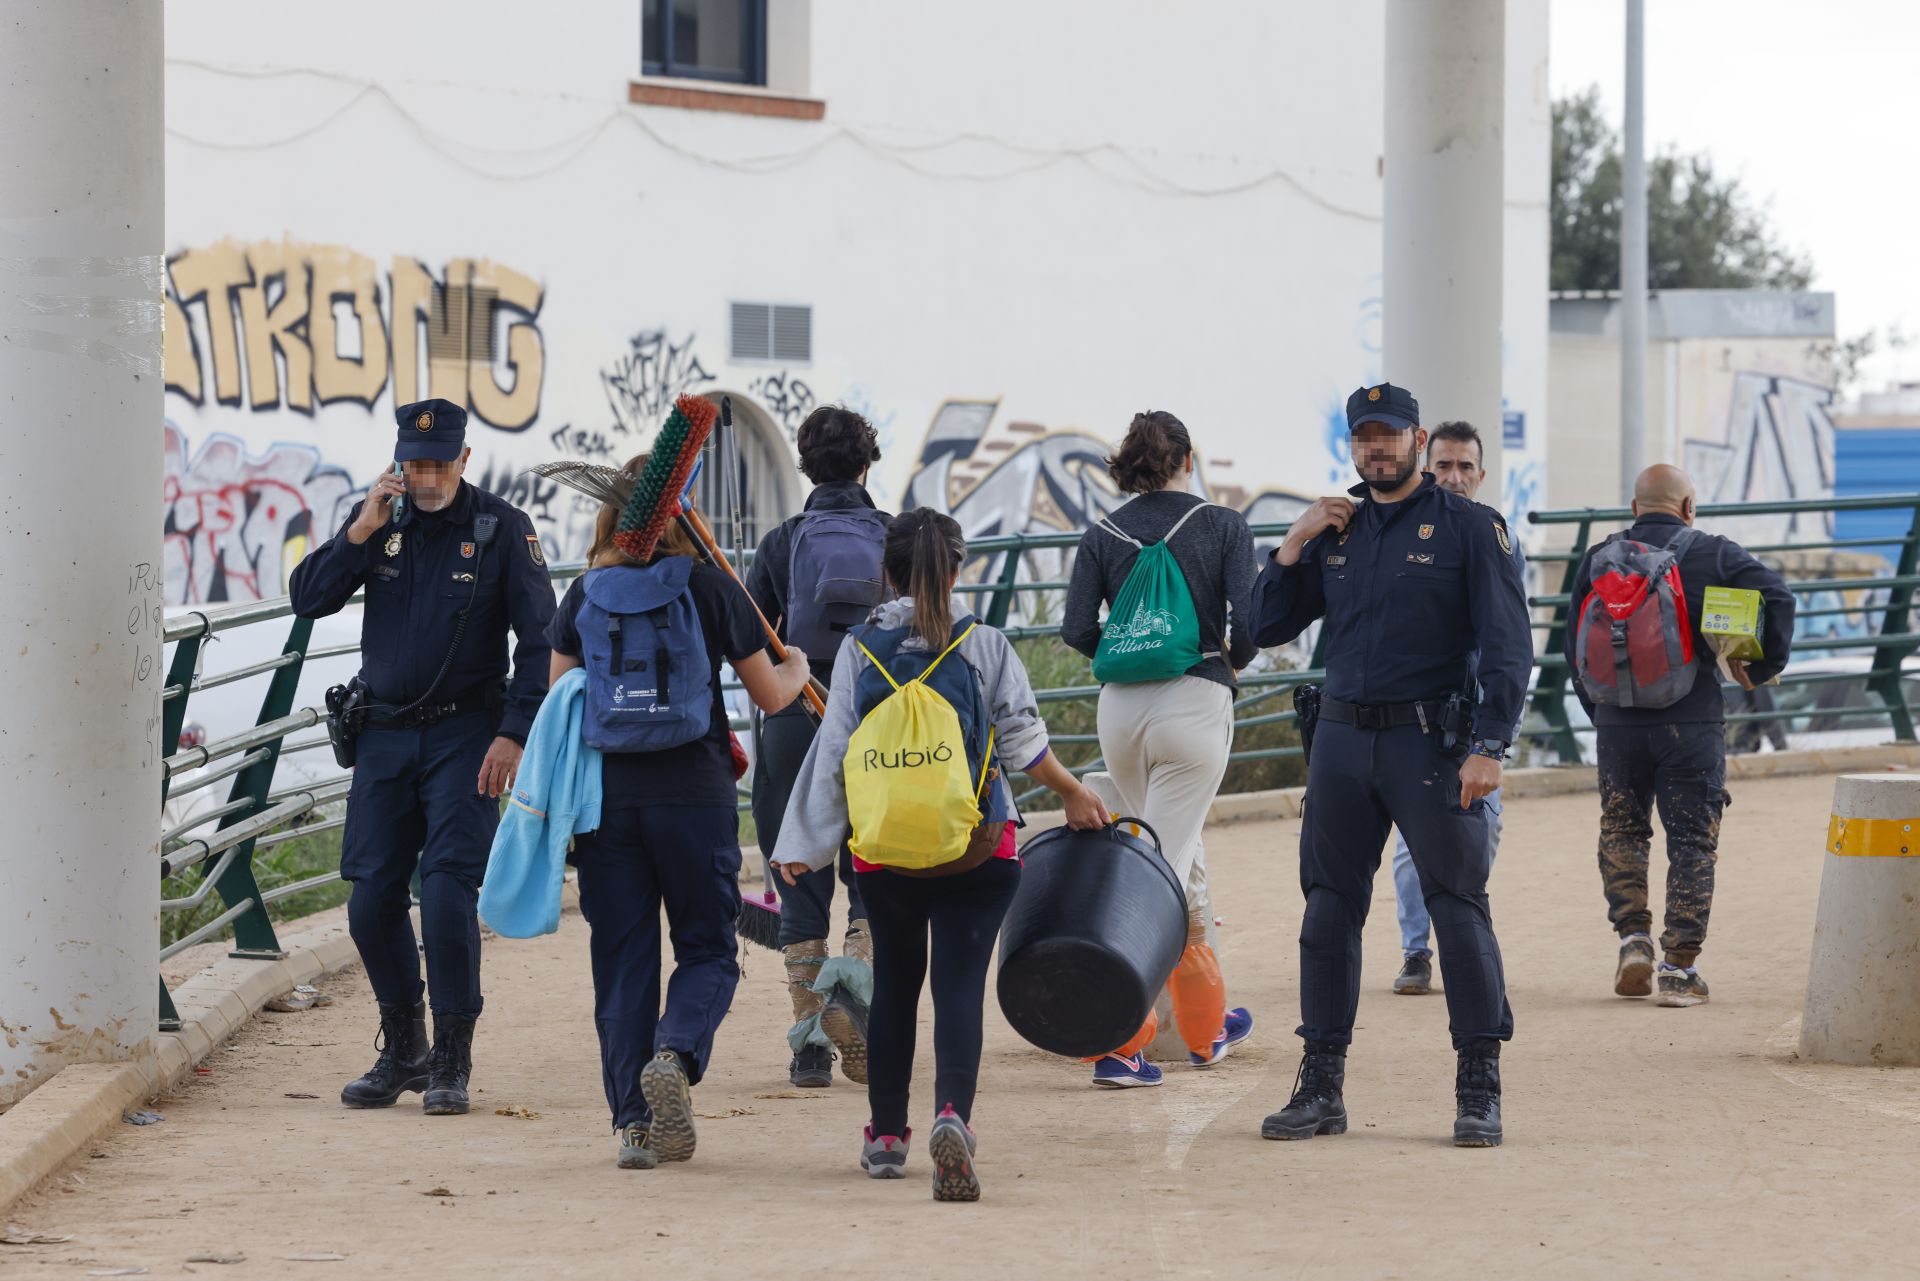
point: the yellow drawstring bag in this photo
(911, 797)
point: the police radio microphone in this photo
(484, 528)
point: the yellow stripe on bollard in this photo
(1873, 837)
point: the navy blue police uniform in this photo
(443, 589)
(1422, 600)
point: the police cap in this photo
(435, 429)
(1394, 406)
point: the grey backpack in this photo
(833, 577)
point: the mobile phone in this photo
(399, 503)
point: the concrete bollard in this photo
(1863, 988)
(1166, 1045)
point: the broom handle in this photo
(697, 530)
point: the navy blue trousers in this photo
(1359, 784)
(415, 801)
(685, 858)
(806, 909)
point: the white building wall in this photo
(1068, 212)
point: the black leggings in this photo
(963, 914)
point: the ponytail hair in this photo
(923, 554)
(1156, 446)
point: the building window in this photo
(705, 39)
(772, 331)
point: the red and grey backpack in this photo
(1633, 640)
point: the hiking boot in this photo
(951, 1146)
(884, 1156)
(1316, 1106)
(1237, 1028)
(1415, 977)
(1476, 1096)
(402, 1065)
(1634, 976)
(663, 1083)
(844, 1021)
(634, 1152)
(449, 1066)
(1680, 988)
(1125, 1072)
(812, 1068)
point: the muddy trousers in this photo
(1166, 745)
(1682, 770)
(1359, 783)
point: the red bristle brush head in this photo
(656, 496)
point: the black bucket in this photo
(1097, 926)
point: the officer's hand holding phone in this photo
(1479, 776)
(378, 508)
(1334, 511)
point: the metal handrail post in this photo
(1884, 678)
(1554, 684)
(1002, 607)
(173, 711)
(253, 933)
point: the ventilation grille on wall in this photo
(768, 331)
(460, 326)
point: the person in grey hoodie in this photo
(961, 913)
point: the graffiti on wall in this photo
(785, 397)
(287, 325)
(236, 526)
(644, 380)
(1777, 444)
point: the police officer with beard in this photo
(447, 576)
(1428, 654)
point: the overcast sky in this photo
(1815, 106)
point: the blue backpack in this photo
(833, 577)
(649, 680)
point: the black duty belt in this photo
(430, 714)
(1383, 715)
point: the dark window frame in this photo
(753, 52)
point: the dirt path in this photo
(1640, 1141)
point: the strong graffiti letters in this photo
(286, 324)
(643, 383)
(236, 526)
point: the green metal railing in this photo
(220, 842)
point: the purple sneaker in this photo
(1238, 1027)
(1125, 1072)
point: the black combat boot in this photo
(449, 1066)
(812, 1068)
(1316, 1106)
(402, 1064)
(1476, 1093)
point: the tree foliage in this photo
(1703, 232)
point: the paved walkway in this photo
(1641, 1141)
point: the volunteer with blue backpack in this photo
(669, 832)
(1651, 685)
(1169, 566)
(926, 704)
(816, 576)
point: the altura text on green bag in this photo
(1152, 632)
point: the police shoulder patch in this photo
(1500, 535)
(533, 550)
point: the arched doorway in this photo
(768, 474)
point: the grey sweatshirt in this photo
(816, 823)
(1215, 553)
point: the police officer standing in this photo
(1424, 610)
(448, 569)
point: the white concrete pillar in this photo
(81, 188)
(1863, 988)
(1445, 73)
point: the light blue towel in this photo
(555, 796)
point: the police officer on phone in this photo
(448, 570)
(1428, 654)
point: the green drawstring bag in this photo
(1152, 632)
